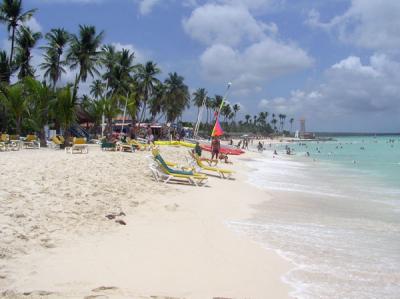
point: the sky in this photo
(335, 63)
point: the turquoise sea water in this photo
(378, 157)
(335, 215)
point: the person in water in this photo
(260, 146)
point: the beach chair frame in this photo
(77, 149)
(222, 173)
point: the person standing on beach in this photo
(215, 148)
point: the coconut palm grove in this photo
(36, 97)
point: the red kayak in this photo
(224, 150)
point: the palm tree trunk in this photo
(12, 44)
(58, 69)
(18, 125)
(77, 80)
(67, 135)
(42, 137)
(143, 111)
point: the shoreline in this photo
(181, 245)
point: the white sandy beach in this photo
(56, 241)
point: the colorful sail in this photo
(217, 131)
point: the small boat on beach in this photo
(224, 150)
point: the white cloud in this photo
(226, 24)
(240, 48)
(370, 24)
(146, 6)
(255, 4)
(353, 64)
(74, 1)
(351, 93)
(34, 25)
(140, 55)
(258, 63)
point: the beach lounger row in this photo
(195, 174)
(15, 143)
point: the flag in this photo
(217, 131)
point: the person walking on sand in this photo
(215, 148)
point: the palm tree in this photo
(64, 109)
(132, 104)
(217, 102)
(15, 102)
(26, 41)
(108, 59)
(209, 105)
(157, 102)
(94, 109)
(291, 124)
(5, 69)
(83, 53)
(247, 117)
(236, 109)
(198, 98)
(177, 96)
(274, 121)
(110, 111)
(39, 95)
(97, 89)
(226, 110)
(146, 80)
(283, 121)
(262, 119)
(12, 14)
(57, 41)
(120, 77)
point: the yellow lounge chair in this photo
(79, 145)
(155, 152)
(210, 162)
(140, 146)
(14, 142)
(61, 137)
(223, 173)
(163, 172)
(56, 142)
(4, 140)
(31, 141)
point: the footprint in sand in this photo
(172, 208)
(103, 288)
